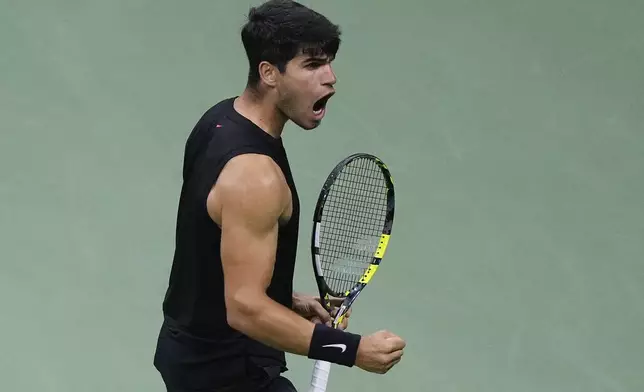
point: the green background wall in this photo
(513, 129)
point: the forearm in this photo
(269, 322)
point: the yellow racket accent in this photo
(369, 273)
(327, 301)
(384, 241)
(339, 320)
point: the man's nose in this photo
(329, 76)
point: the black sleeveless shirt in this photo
(194, 301)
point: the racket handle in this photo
(320, 376)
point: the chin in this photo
(308, 125)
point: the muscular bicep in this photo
(247, 250)
(250, 195)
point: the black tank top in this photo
(194, 300)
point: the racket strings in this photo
(354, 215)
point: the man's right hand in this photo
(379, 352)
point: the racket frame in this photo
(351, 294)
(320, 376)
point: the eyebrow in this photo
(316, 59)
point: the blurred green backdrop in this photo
(513, 130)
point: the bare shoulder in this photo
(250, 186)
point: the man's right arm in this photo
(251, 195)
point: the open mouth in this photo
(320, 105)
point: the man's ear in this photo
(268, 73)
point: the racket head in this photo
(352, 223)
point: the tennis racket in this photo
(351, 229)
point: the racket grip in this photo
(320, 376)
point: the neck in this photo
(261, 110)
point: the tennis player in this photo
(230, 313)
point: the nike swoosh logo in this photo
(340, 346)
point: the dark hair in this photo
(279, 30)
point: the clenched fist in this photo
(379, 352)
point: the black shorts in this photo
(187, 364)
